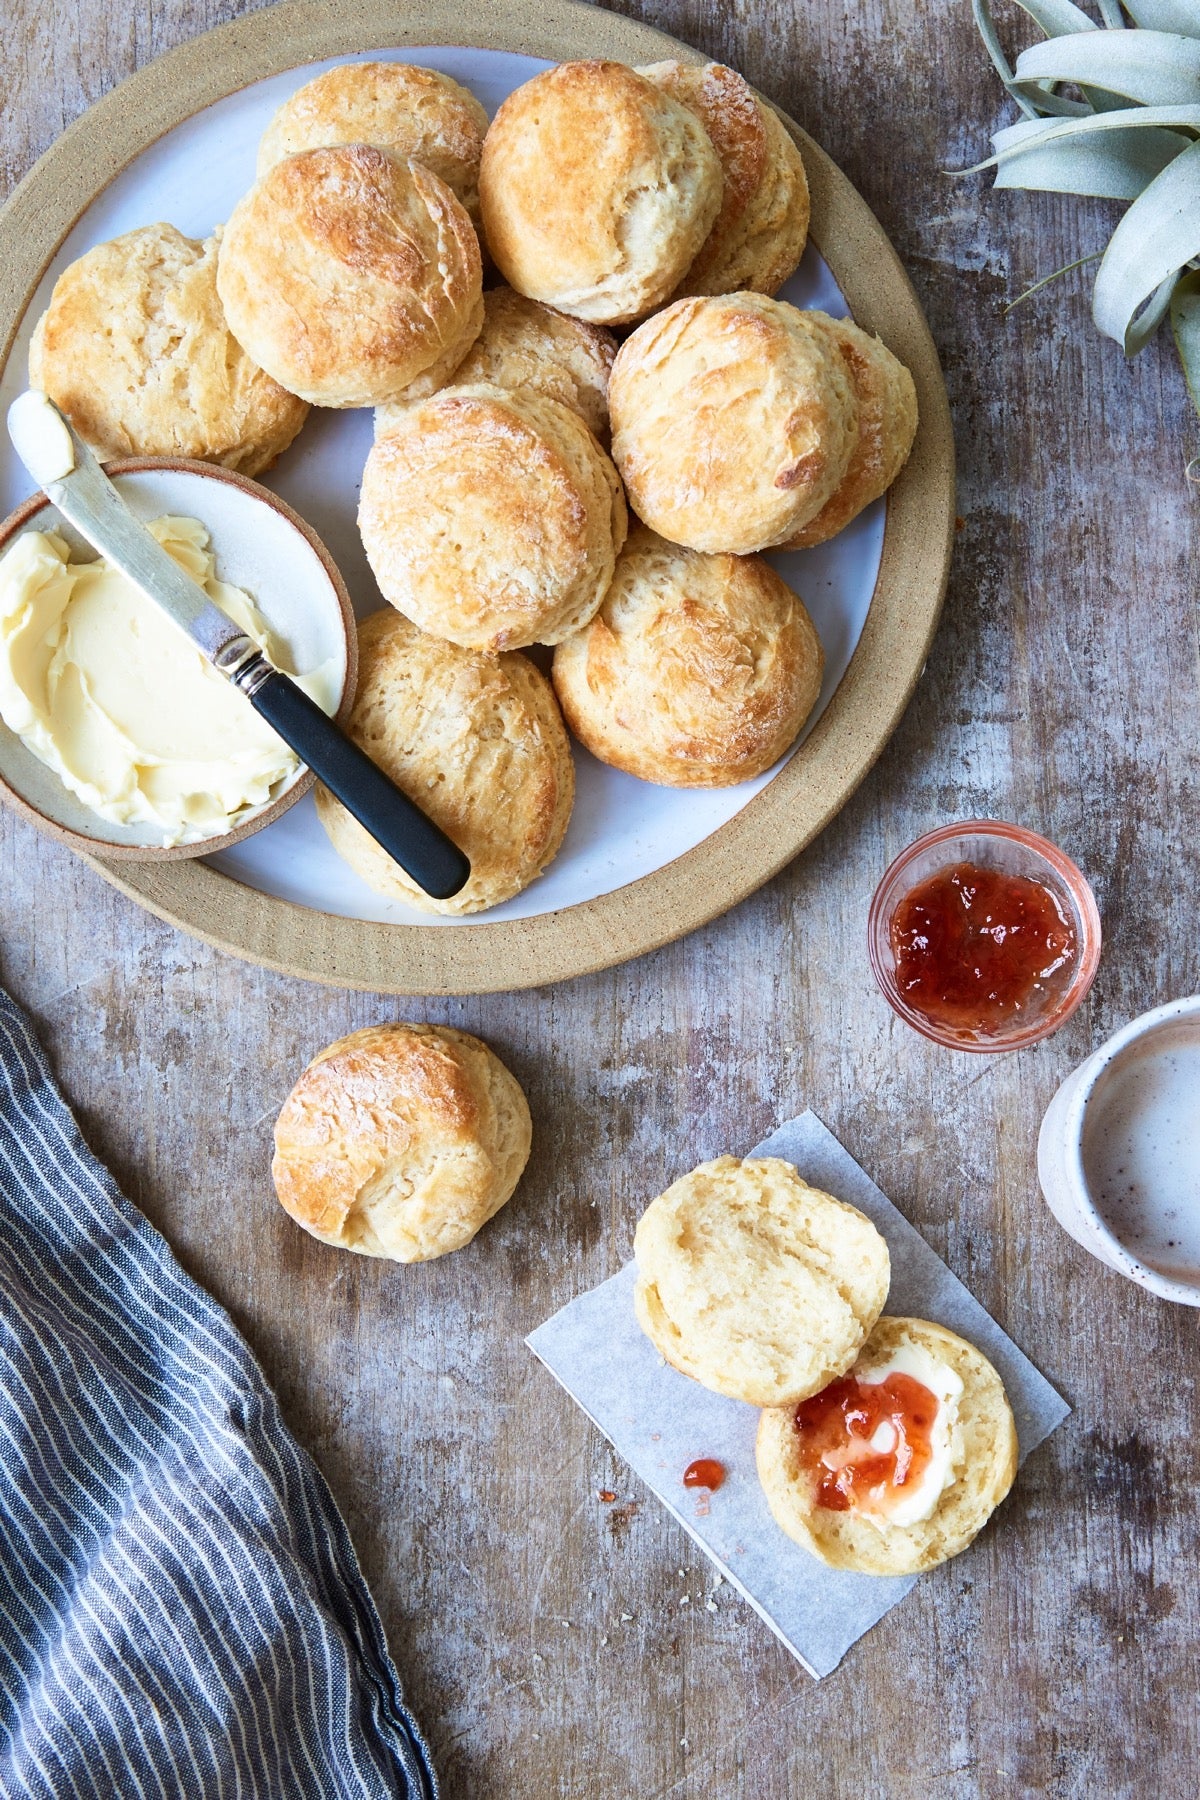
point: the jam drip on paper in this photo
(704, 1473)
(861, 1442)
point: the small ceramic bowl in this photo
(987, 843)
(261, 545)
(1119, 1152)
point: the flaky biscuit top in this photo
(698, 670)
(758, 237)
(491, 518)
(400, 1141)
(348, 273)
(135, 349)
(733, 418)
(597, 190)
(477, 741)
(412, 112)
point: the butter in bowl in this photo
(117, 736)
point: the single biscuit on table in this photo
(898, 1465)
(887, 426)
(598, 190)
(734, 419)
(351, 275)
(698, 670)
(135, 350)
(755, 1284)
(491, 518)
(477, 741)
(524, 344)
(401, 1141)
(415, 113)
(761, 230)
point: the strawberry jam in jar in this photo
(984, 936)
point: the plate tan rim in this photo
(789, 812)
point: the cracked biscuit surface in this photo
(525, 344)
(697, 671)
(134, 348)
(598, 190)
(400, 1141)
(491, 518)
(759, 235)
(350, 274)
(477, 741)
(733, 419)
(409, 111)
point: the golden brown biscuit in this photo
(698, 671)
(762, 227)
(887, 425)
(401, 1141)
(733, 418)
(134, 348)
(524, 344)
(477, 740)
(349, 274)
(413, 112)
(755, 1284)
(491, 518)
(597, 190)
(976, 1456)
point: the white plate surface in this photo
(621, 828)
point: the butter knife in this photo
(62, 465)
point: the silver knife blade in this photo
(63, 466)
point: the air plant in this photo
(1129, 129)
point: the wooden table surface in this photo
(1059, 1655)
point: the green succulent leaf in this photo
(1058, 18)
(1182, 16)
(1179, 124)
(1156, 238)
(986, 27)
(1117, 165)
(1157, 68)
(1134, 136)
(1185, 323)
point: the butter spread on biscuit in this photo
(913, 1501)
(105, 690)
(884, 1441)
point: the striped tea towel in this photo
(181, 1609)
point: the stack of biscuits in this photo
(884, 1444)
(591, 455)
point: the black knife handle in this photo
(395, 822)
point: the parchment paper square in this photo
(660, 1421)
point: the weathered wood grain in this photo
(1057, 1657)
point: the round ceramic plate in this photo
(641, 865)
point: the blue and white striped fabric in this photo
(181, 1609)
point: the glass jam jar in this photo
(984, 936)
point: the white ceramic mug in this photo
(1132, 1111)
